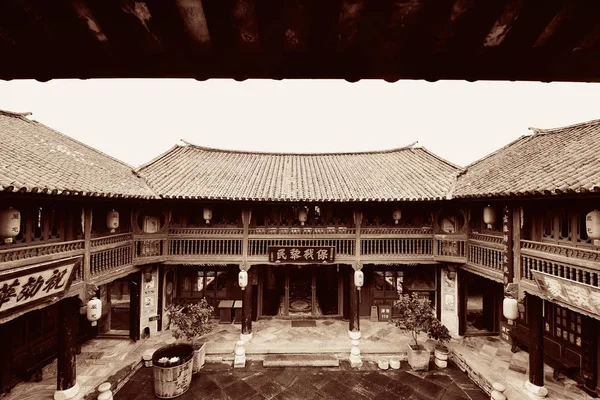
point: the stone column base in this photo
(67, 394)
(354, 335)
(539, 391)
(246, 337)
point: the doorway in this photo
(305, 291)
(481, 302)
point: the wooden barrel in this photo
(172, 380)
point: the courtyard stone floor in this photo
(483, 359)
(256, 383)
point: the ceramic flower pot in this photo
(441, 357)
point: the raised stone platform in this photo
(300, 360)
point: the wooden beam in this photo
(68, 317)
(246, 26)
(194, 21)
(504, 23)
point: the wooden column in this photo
(68, 316)
(247, 308)
(5, 358)
(354, 320)
(87, 236)
(536, 340)
(354, 298)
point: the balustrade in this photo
(575, 264)
(397, 247)
(14, 257)
(146, 247)
(450, 248)
(485, 251)
(197, 247)
(105, 261)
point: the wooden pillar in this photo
(536, 340)
(68, 316)
(5, 358)
(247, 310)
(354, 321)
(87, 236)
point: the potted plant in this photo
(415, 315)
(172, 367)
(192, 320)
(438, 331)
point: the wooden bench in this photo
(520, 340)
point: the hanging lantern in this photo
(510, 309)
(397, 214)
(592, 224)
(359, 279)
(207, 214)
(112, 220)
(489, 216)
(10, 224)
(243, 279)
(94, 310)
(302, 215)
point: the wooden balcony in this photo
(111, 256)
(149, 248)
(450, 248)
(485, 256)
(397, 244)
(209, 245)
(21, 256)
(572, 263)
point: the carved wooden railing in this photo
(206, 232)
(199, 247)
(450, 248)
(576, 264)
(150, 248)
(397, 247)
(111, 253)
(485, 251)
(22, 256)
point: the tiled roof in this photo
(194, 172)
(551, 161)
(35, 158)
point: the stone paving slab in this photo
(343, 382)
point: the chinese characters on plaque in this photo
(582, 296)
(301, 254)
(25, 287)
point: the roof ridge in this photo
(16, 114)
(431, 153)
(466, 168)
(205, 148)
(542, 131)
(157, 158)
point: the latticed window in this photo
(388, 283)
(203, 282)
(563, 324)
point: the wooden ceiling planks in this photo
(348, 39)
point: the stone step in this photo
(300, 360)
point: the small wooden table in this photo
(225, 311)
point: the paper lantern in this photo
(94, 310)
(592, 224)
(489, 216)
(207, 214)
(112, 220)
(359, 279)
(396, 215)
(302, 215)
(10, 224)
(243, 279)
(510, 309)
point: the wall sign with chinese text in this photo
(302, 254)
(579, 296)
(29, 286)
